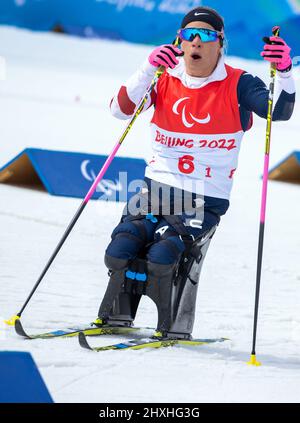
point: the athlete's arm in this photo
(124, 103)
(122, 106)
(253, 96)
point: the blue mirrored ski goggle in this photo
(206, 35)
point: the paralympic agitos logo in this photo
(190, 120)
(105, 186)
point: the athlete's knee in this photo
(166, 251)
(125, 241)
(123, 247)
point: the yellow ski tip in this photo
(253, 361)
(157, 334)
(12, 320)
(98, 321)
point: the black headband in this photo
(204, 14)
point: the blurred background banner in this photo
(70, 174)
(156, 21)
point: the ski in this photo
(88, 330)
(137, 344)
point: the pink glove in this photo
(277, 51)
(165, 55)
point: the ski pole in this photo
(91, 191)
(253, 360)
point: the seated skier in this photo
(202, 108)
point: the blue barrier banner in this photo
(156, 21)
(71, 174)
(20, 379)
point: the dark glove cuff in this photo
(286, 70)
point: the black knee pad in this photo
(115, 264)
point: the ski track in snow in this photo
(56, 96)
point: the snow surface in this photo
(56, 95)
